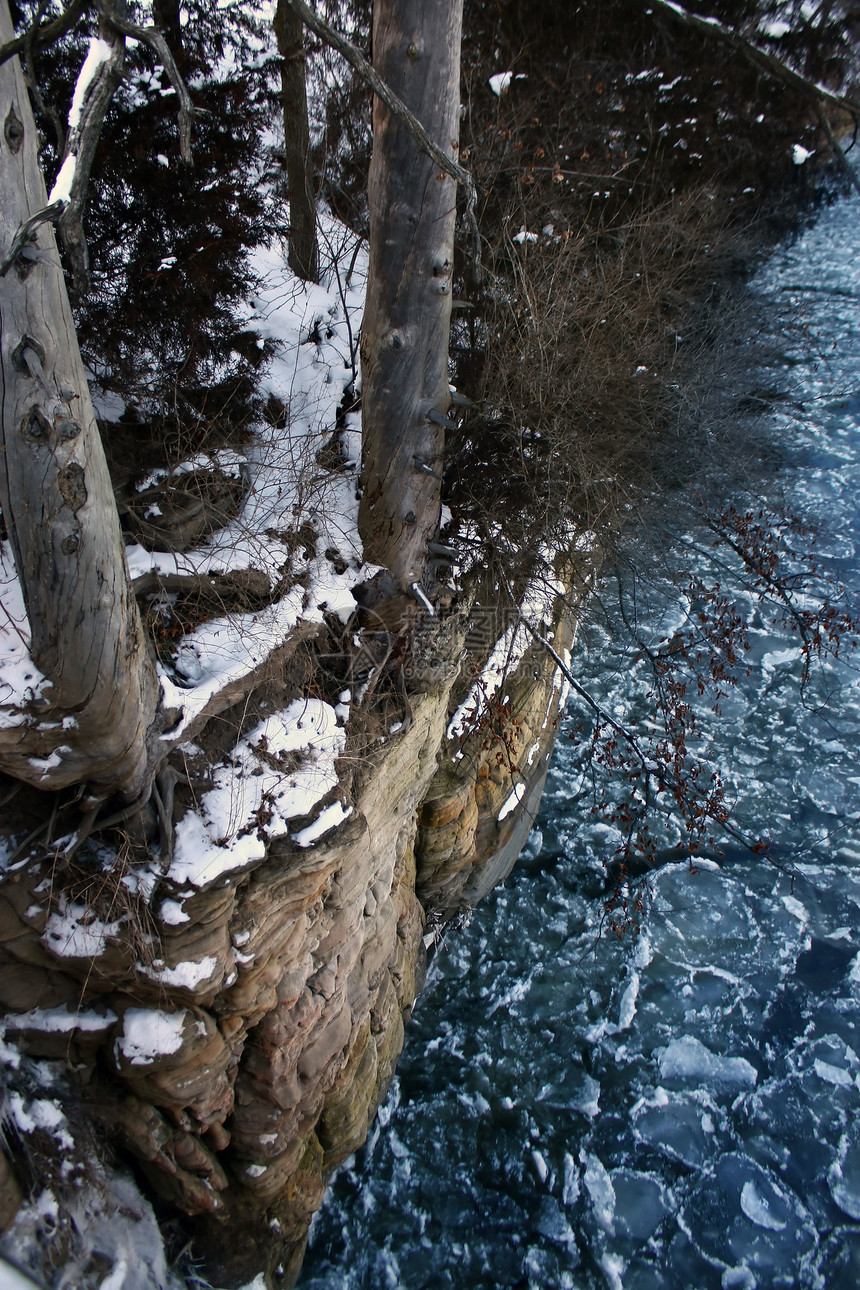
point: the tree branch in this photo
(760, 58)
(153, 37)
(359, 64)
(839, 153)
(96, 85)
(44, 33)
(48, 215)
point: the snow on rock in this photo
(59, 1020)
(73, 932)
(311, 331)
(799, 154)
(173, 913)
(327, 819)
(188, 975)
(222, 651)
(513, 801)
(278, 772)
(148, 1034)
(41, 1113)
(506, 655)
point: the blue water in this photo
(679, 1107)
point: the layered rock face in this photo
(236, 1040)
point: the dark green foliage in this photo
(170, 244)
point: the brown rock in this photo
(11, 1194)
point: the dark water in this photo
(678, 1108)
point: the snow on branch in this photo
(97, 81)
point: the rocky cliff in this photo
(235, 1037)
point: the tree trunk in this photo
(302, 253)
(404, 338)
(167, 18)
(89, 723)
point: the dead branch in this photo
(45, 33)
(759, 58)
(95, 95)
(152, 36)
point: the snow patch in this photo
(148, 1034)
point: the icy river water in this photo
(680, 1108)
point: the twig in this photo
(838, 151)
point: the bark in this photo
(90, 723)
(404, 344)
(302, 253)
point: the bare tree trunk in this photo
(302, 253)
(90, 723)
(404, 339)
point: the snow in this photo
(59, 1020)
(799, 154)
(99, 52)
(41, 1113)
(262, 789)
(62, 189)
(512, 802)
(173, 913)
(184, 976)
(21, 682)
(148, 1034)
(501, 81)
(775, 28)
(505, 656)
(73, 932)
(328, 819)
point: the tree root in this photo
(159, 795)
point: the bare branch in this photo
(44, 33)
(153, 37)
(48, 215)
(760, 58)
(97, 82)
(838, 151)
(360, 64)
